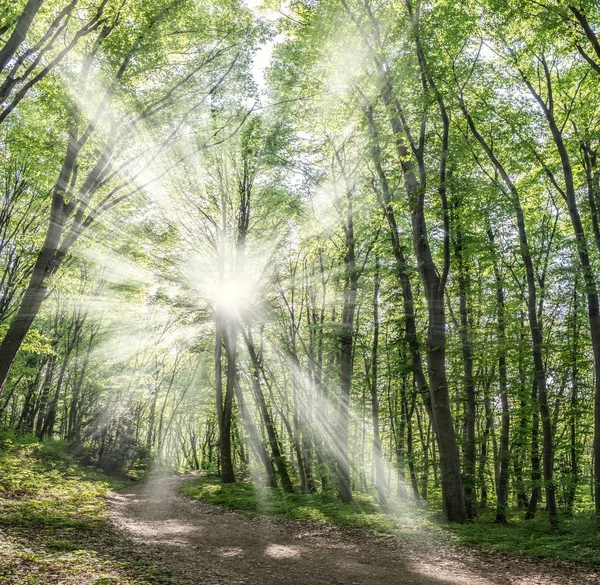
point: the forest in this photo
(337, 252)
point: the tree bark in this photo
(502, 496)
(19, 32)
(468, 379)
(534, 323)
(278, 458)
(379, 471)
(589, 279)
(346, 343)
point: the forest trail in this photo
(205, 545)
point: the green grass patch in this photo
(364, 512)
(576, 540)
(53, 520)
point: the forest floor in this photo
(201, 543)
(60, 524)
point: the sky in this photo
(262, 58)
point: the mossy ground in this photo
(53, 521)
(576, 541)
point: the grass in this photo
(576, 540)
(364, 512)
(53, 523)
(54, 529)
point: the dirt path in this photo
(205, 545)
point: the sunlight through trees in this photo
(334, 247)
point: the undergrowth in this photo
(576, 540)
(53, 524)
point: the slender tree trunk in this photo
(589, 279)
(385, 201)
(47, 263)
(522, 499)
(536, 476)
(399, 408)
(346, 343)
(425, 442)
(534, 323)
(276, 453)
(573, 448)
(410, 455)
(230, 342)
(468, 379)
(485, 439)
(28, 411)
(453, 500)
(379, 471)
(255, 439)
(41, 407)
(502, 496)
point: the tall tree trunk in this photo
(467, 355)
(410, 455)
(402, 267)
(502, 495)
(425, 443)
(488, 430)
(230, 341)
(534, 323)
(47, 264)
(379, 471)
(519, 453)
(399, 408)
(19, 32)
(41, 407)
(28, 412)
(346, 343)
(273, 440)
(536, 476)
(589, 279)
(255, 439)
(574, 410)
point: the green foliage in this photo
(53, 519)
(121, 359)
(35, 341)
(363, 512)
(577, 540)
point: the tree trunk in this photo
(534, 323)
(255, 439)
(573, 414)
(536, 476)
(346, 343)
(47, 264)
(230, 342)
(468, 379)
(19, 32)
(379, 471)
(276, 453)
(502, 496)
(385, 201)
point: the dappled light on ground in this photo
(196, 538)
(278, 551)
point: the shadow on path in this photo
(204, 544)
